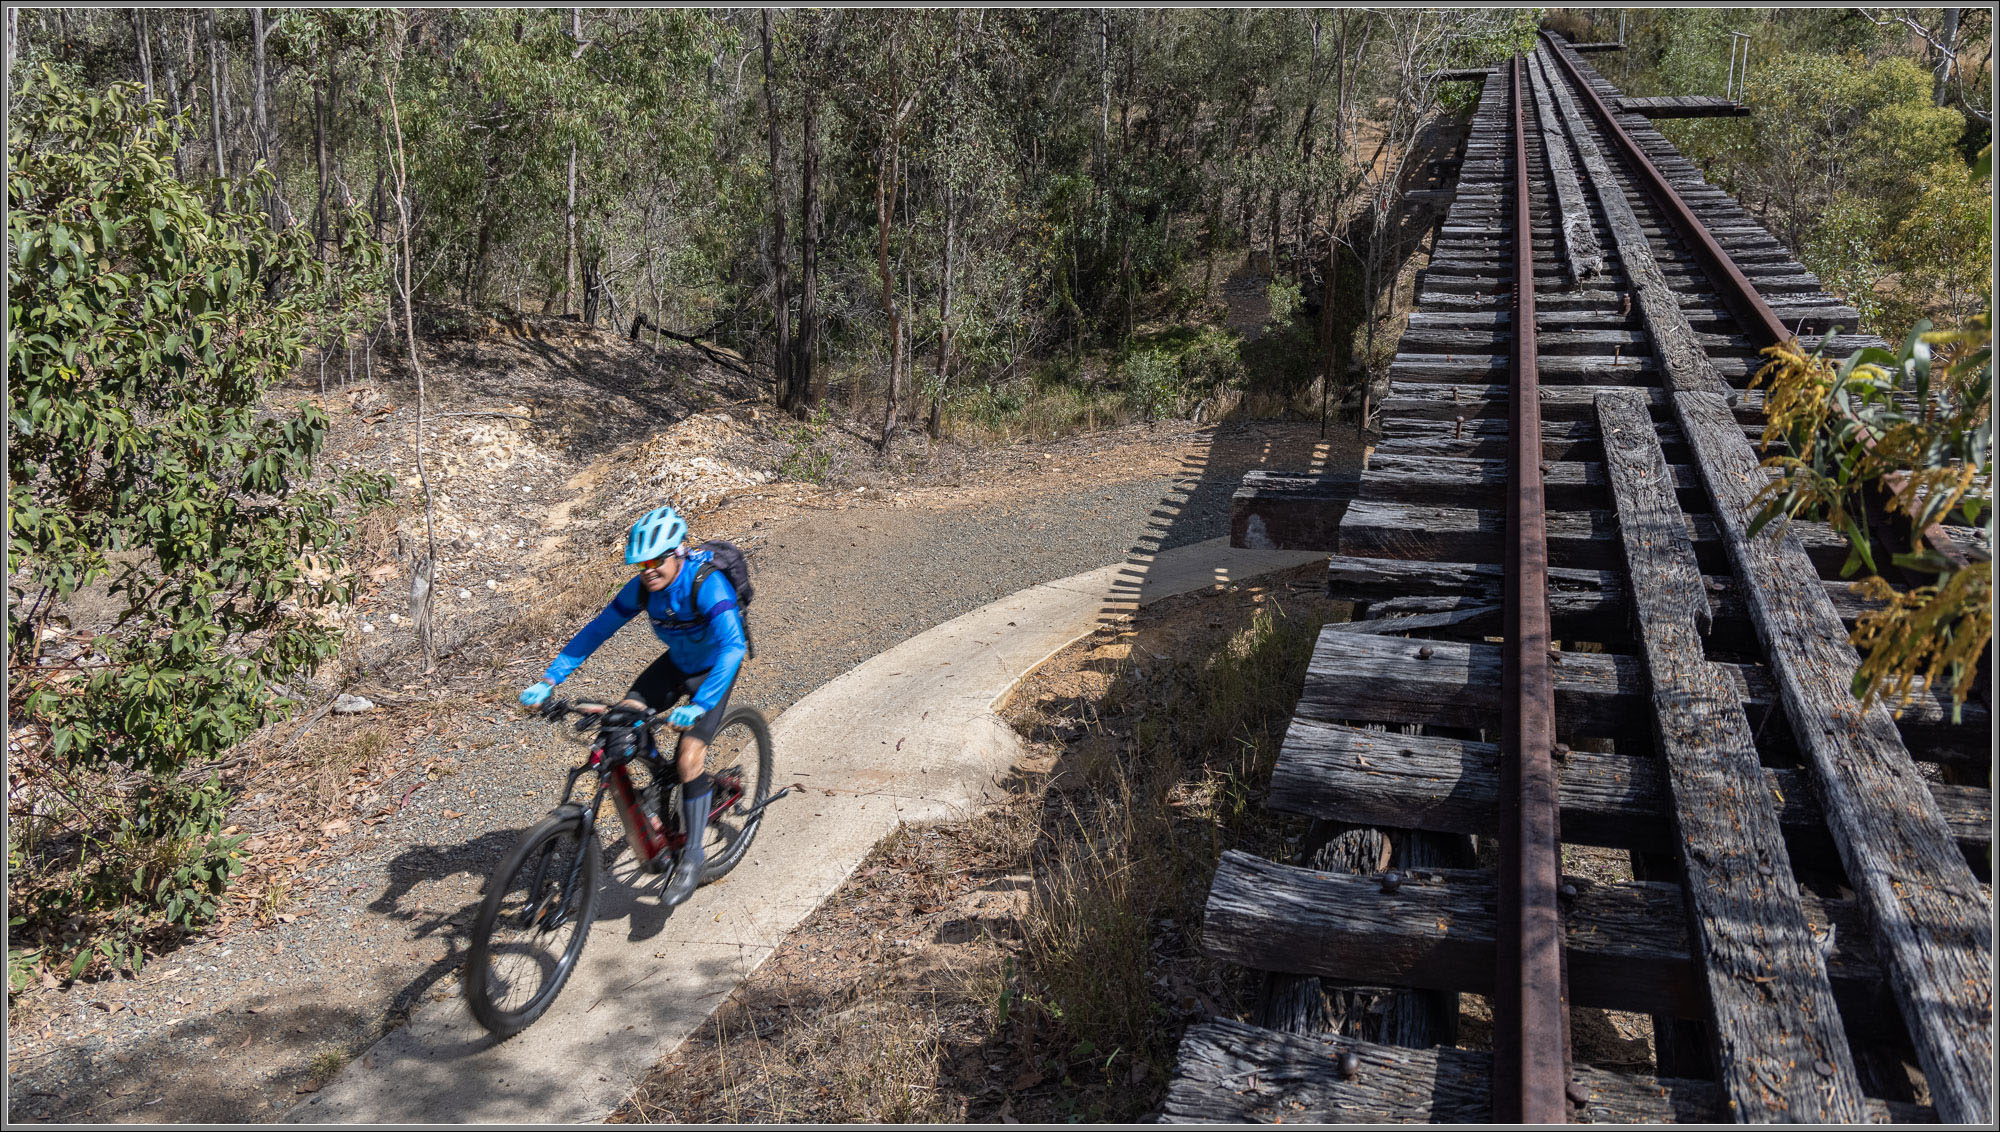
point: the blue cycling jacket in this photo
(703, 631)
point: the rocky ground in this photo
(373, 829)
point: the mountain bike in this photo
(540, 901)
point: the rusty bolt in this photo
(1569, 892)
(1424, 653)
(1350, 1064)
(1391, 881)
(1560, 750)
(1577, 1095)
(1766, 871)
(1823, 1068)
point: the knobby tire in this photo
(570, 878)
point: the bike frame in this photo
(655, 850)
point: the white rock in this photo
(491, 584)
(345, 704)
(367, 628)
(463, 594)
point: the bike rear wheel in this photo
(532, 924)
(742, 749)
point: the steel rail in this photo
(1953, 1087)
(1736, 292)
(1531, 1011)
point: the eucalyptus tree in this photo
(895, 62)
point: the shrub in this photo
(808, 455)
(1285, 299)
(148, 318)
(1154, 385)
(1854, 425)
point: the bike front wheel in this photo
(532, 924)
(742, 749)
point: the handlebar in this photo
(594, 712)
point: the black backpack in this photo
(724, 556)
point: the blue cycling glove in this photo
(536, 694)
(684, 715)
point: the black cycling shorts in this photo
(663, 684)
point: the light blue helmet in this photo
(657, 532)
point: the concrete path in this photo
(909, 735)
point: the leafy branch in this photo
(1915, 428)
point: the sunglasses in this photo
(656, 563)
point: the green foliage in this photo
(145, 325)
(1945, 239)
(1919, 429)
(1846, 156)
(162, 869)
(1844, 251)
(147, 318)
(1285, 299)
(808, 455)
(1154, 383)
(1211, 361)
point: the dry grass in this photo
(324, 763)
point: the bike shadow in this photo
(418, 879)
(630, 893)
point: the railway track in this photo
(1574, 644)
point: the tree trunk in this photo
(1947, 54)
(885, 177)
(569, 235)
(1272, 222)
(319, 152)
(475, 281)
(1329, 352)
(257, 77)
(13, 33)
(808, 380)
(215, 95)
(936, 423)
(569, 209)
(1104, 96)
(781, 297)
(173, 89)
(259, 120)
(375, 205)
(145, 48)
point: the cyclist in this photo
(706, 646)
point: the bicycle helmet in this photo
(657, 532)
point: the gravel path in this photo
(237, 1028)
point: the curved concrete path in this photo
(909, 735)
